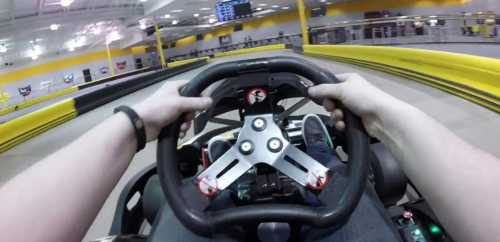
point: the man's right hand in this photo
(359, 96)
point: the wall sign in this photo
(121, 65)
(46, 85)
(69, 78)
(25, 91)
(104, 70)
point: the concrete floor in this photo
(473, 123)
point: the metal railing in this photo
(285, 39)
(463, 28)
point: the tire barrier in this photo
(24, 128)
(473, 78)
(90, 101)
(69, 90)
(116, 77)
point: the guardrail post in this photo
(110, 60)
(159, 47)
(303, 21)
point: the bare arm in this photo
(58, 198)
(458, 180)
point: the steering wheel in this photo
(261, 140)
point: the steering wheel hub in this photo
(276, 152)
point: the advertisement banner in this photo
(25, 91)
(69, 78)
(104, 70)
(121, 65)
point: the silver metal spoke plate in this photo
(262, 141)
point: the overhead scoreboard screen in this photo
(233, 9)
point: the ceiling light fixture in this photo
(113, 36)
(205, 9)
(77, 43)
(37, 49)
(143, 24)
(258, 9)
(174, 22)
(66, 3)
(275, 6)
(167, 16)
(285, 8)
(262, 4)
(212, 20)
(97, 31)
(177, 11)
(3, 48)
(196, 15)
(35, 52)
(54, 27)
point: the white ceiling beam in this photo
(153, 7)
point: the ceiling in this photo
(25, 25)
(194, 16)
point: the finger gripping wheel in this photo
(241, 157)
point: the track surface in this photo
(475, 124)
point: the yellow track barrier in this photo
(251, 50)
(59, 93)
(24, 128)
(474, 78)
(184, 62)
(35, 101)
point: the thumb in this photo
(189, 104)
(333, 91)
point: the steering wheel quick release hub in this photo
(277, 152)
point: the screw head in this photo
(246, 147)
(259, 124)
(275, 145)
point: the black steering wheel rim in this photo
(208, 223)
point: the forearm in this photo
(458, 180)
(58, 198)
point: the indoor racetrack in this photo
(472, 122)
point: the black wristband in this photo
(139, 129)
